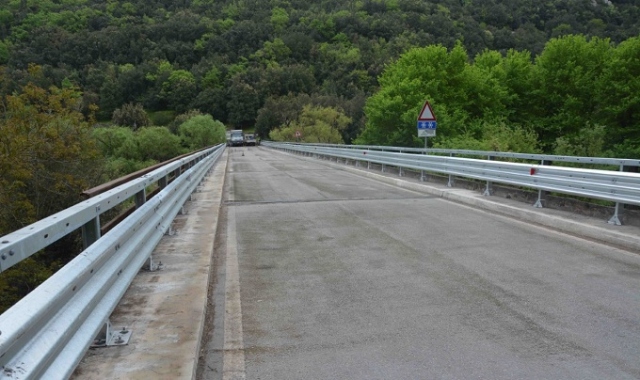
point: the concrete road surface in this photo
(328, 275)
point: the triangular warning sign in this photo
(427, 113)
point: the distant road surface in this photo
(329, 275)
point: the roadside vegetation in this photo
(50, 152)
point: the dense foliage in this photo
(578, 96)
(236, 60)
(50, 152)
(47, 157)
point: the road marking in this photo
(233, 357)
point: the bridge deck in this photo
(319, 274)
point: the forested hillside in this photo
(259, 62)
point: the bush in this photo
(157, 143)
(131, 115)
(202, 131)
(178, 120)
(162, 118)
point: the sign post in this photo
(426, 127)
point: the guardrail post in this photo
(487, 189)
(542, 194)
(141, 198)
(450, 182)
(162, 182)
(423, 177)
(400, 167)
(151, 265)
(615, 219)
(91, 231)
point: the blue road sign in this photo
(427, 124)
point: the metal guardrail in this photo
(542, 158)
(616, 186)
(46, 334)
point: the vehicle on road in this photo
(236, 138)
(250, 140)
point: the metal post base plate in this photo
(108, 337)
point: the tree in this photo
(117, 142)
(179, 89)
(279, 112)
(158, 144)
(279, 19)
(178, 120)
(244, 100)
(458, 92)
(618, 95)
(495, 136)
(202, 131)
(131, 115)
(565, 78)
(315, 125)
(48, 157)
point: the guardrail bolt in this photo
(11, 253)
(124, 331)
(4, 257)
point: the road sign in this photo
(426, 132)
(427, 123)
(427, 113)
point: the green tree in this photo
(279, 112)
(4, 52)
(588, 142)
(618, 94)
(518, 73)
(131, 115)
(117, 142)
(495, 136)
(459, 93)
(244, 100)
(315, 125)
(565, 79)
(178, 120)
(158, 144)
(179, 89)
(48, 157)
(202, 131)
(279, 19)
